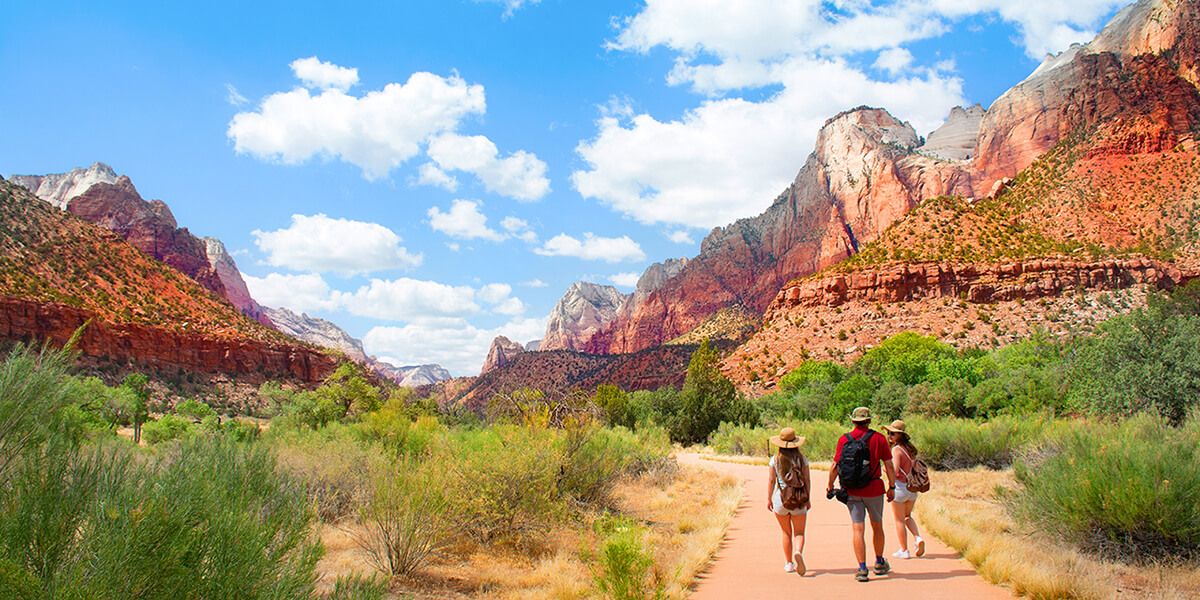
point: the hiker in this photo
(857, 464)
(903, 452)
(789, 461)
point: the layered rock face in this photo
(862, 176)
(231, 278)
(585, 309)
(1136, 81)
(502, 352)
(161, 349)
(59, 188)
(316, 331)
(419, 375)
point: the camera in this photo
(842, 495)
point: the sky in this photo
(430, 174)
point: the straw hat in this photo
(787, 438)
(897, 426)
(861, 413)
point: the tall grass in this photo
(1129, 490)
(820, 441)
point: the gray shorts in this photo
(860, 507)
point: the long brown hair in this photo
(789, 458)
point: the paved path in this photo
(749, 564)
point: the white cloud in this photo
(376, 131)
(323, 75)
(627, 280)
(430, 174)
(494, 293)
(593, 247)
(233, 97)
(728, 157)
(320, 244)
(535, 283)
(681, 237)
(893, 60)
(407, 299)
(298, 293)
(453, 343)
(521, 175)
(510, 6)
(463, 221)
(511, 307)
(519, 229)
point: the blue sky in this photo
(429, 174)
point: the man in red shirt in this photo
(867, 500)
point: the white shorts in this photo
(777, 505)
(903, 495)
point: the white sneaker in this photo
(900, 554)
(920, 547)
(789, 568)
(800, 568)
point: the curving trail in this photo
(749, 564)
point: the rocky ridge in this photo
(59, 188)
(585, 309)
(501, 353)
(231, 278)
(316, 331)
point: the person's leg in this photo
(901, 517)
(785, 525)
(860, 542)
(877, 538)
(798, 524)
(911, 524)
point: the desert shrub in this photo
(988, 399)
(1129, 490)
(308, 409)
(625, 566)
(820, 438)
(333, 466)
(357, 587)
(594, 459)
(503, 480)
(812, 373)
(943, 398)
(166, 428)
(963, 443)
(405, 523)
(618, 412)
(33, 393)
(194, 410)
(394, 427)
(237, 429)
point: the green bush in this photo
(406, 521)
(963, 443)
(625, 569)
(1129, 490)
(594, 459)
(820, 439)
(905, 357)
(943, 398)
(166, 428)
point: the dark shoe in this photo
(882, 567)
(862, 575)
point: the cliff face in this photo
(862, 176)
(231, 279)
(502, 352)
(585, 309)
(162, 349)
(59, 188)
(1134, 86)
(316, 331)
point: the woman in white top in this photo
(903, 452)
(791, 522)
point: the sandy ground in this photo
(750, 561)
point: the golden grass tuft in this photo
(962, 510)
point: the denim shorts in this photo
(860, 507)
(780, 510)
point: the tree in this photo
(905, 357)
(709, 399)
(139, 402)
(615, 403)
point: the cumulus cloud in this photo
(430, 174)
(593, 247)
(323, 75)
(519, 229)
(463, 221)
(298, 293)
(681, 237)
(627, 280)
(495, 293)
(376, 131)
(321, 244)
(535, 283)
(520, 175)
(729, 156)
(407, 299)
(510, 306)
(455, 344)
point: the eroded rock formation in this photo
(502, 352)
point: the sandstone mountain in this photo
(1133, 87)
(316, 331)
(501, 353)
(58, 189)
(413, 376)
(231, 279)
(585, 309)
(58, 271)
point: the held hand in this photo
(770, 504)
(891, 495)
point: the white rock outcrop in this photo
(958, 137)
(58, 189)
(585, 309)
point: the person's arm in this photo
(891, 475)
(833, 468)
(771, 488)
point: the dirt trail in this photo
(749, 564)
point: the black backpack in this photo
(854, 467)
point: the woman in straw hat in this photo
(903, 452)
(791, 522)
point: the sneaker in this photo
(900, 554)
(799, 560)
(789, 568)
(920, 547)
(882, 567)
(862, 575)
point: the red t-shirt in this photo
(880, 450)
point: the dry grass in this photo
(962, 510)
(686, 519)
